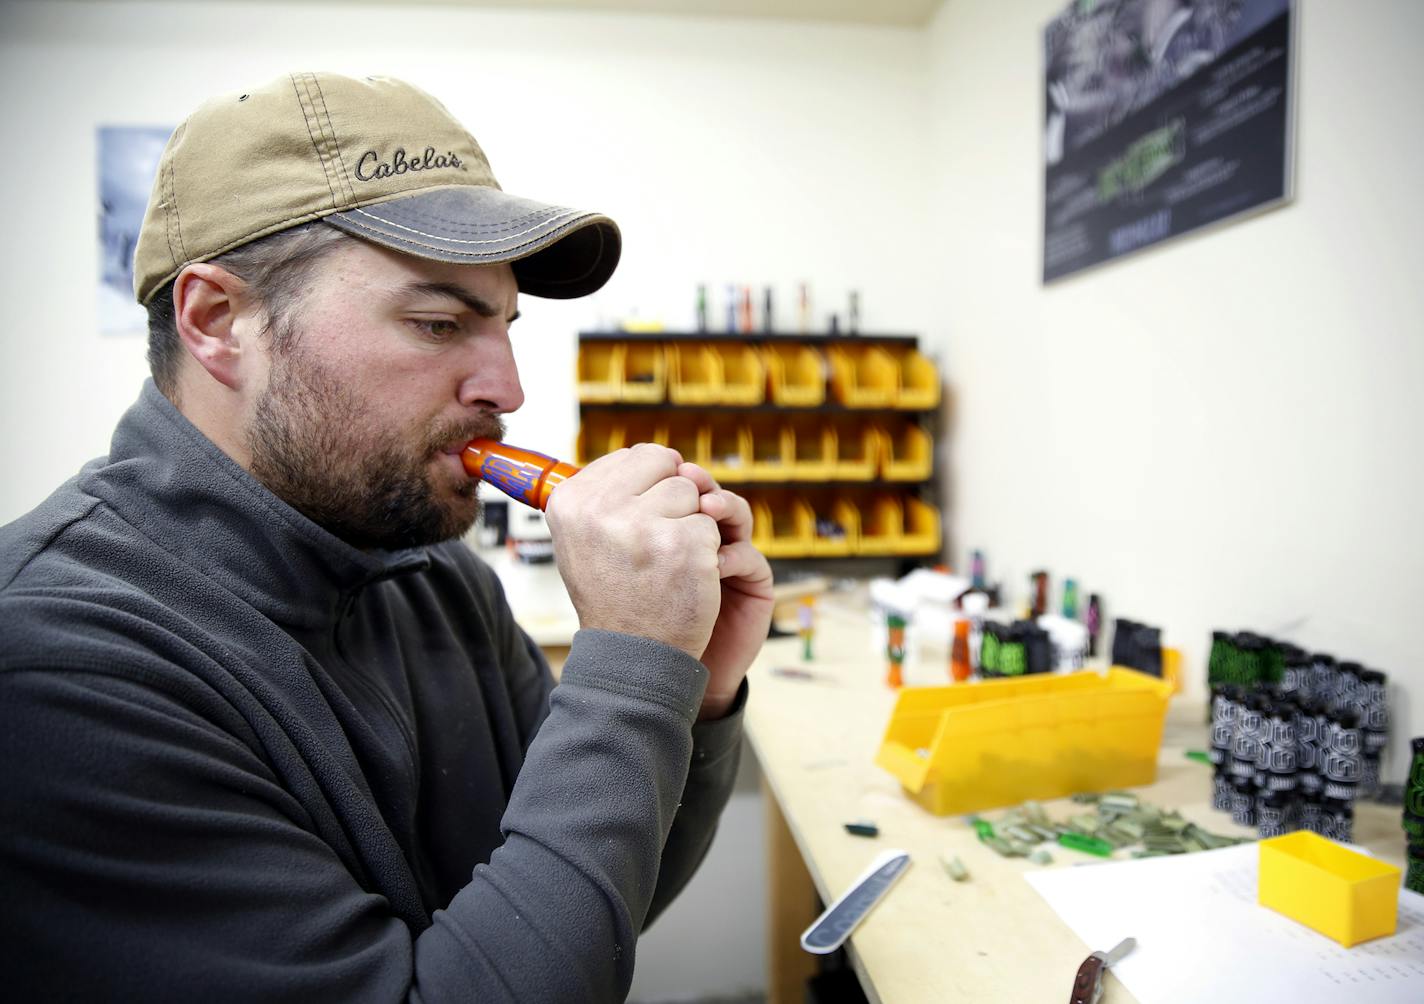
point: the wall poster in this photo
(1161, 117)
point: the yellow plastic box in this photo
(993, 743)
(842, 512)
(919, 380)
(694, 374)
(796, 375)
(685, 434)
(906, 452)
(864, 376)
(857, 450)
(729, 448)
(600, 371)
(783, 526)
(772, 449)
(743, 374)
(644, 372)
(921, 533)
(597, 435)
(813, 446)
(1345, 895)
(882, 525)
(637, 428)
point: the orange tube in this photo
(523, 475)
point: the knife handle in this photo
(1088, 984)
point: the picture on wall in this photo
(1161, 117)
(127, 161)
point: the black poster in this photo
(1161, 117)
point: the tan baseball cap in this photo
(375, 157)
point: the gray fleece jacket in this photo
(240, 759)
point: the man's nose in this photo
(492, 381)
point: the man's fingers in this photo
(741, 560)
(634, 469)
(674, 497)
(698, 476)
(732, 513)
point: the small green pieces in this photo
(983, 827)
(1198, 756)
(1089, 845)
(1041, 857)
(954, 868)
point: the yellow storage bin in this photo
(694, 374)
(857, 450)
(906, 452)
(882, 525)
(686, 435)
(921, 531)
(919, 380)
(840, 512)
(864, 376)
(598, 434)
(783, 526)
(644, 372)
(994, 743)
(772, 449)
(600, 371)
(796, 375)
(729, 448)
(813, 448)
(634, 428)
(1345, 895)
(743, 374)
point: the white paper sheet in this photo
(1201, 935)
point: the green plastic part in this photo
(1089, 845)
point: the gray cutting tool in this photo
(1088, 984)
(832, 928)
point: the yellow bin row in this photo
(738, 448)
(836, 524)
(993, 743)
(731, 373)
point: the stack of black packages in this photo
(1015, 649)
(1295, 738)
(1414, 819)
(1137, 646)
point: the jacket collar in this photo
(177, 487)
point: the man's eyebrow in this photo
(478, 304)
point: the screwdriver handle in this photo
(523, 475)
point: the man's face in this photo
(391, 364)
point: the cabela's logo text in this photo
(370, 167)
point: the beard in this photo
(314, 444)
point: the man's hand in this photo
(636, 550)
(745, 614)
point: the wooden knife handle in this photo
(1088, 984)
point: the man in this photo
(269, 729)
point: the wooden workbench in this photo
(992, 938)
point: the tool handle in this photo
(523, 475)
(1088, 984)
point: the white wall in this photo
(729, 151)
(1225, 431)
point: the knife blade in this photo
(1088, 984)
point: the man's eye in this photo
(438, 330)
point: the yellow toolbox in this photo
(1341, 893)
(993, 743)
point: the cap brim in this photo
(555, 252)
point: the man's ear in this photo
(208, 312)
